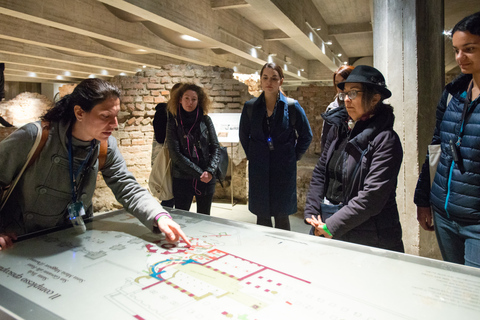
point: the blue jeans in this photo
(458, 242)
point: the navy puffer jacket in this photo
(454, 194)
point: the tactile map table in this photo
(120, 270)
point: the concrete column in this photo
(408, 50)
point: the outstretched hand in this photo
(172, 231)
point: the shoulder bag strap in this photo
(102, 156)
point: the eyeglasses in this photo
(352, 94)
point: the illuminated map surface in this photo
(119, 270)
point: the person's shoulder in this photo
(29, 129)
(458, 85)
(161, 106)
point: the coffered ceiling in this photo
(69, 40)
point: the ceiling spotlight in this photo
(32, 74)
(302, 70)
(258, 47)
(318, 29)
(91, 76)
(328, 43)
(67, 74)
(144, 67)
(447, 33)
(141, 50)
(339, 55)
(122, 74)
(59, 78)
(104, 72)
(188, 38)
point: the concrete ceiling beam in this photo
(220, 29)
(350, 28)
(302, 22)
(228, 4)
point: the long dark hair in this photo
(203, 99)
(87, 94)
(470, 24)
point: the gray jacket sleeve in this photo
(14, 151)
(135, 198)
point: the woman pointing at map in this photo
(56, 190)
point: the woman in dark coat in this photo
(352, 191)
(194, 148)
(275, 133)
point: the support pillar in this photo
(409, 51)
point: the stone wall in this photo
(24, 108)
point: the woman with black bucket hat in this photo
(352, 191)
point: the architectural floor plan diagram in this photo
(120, 270)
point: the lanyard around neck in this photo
(74, 175)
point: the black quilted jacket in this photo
(184, 166)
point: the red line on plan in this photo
(148, 287)
(251, 274)
(265, 267)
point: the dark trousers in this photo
(168, 203)
(282, 222)
(183, 201)
(185, 189)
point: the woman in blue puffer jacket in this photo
(454, 196)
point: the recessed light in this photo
(188, 38)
